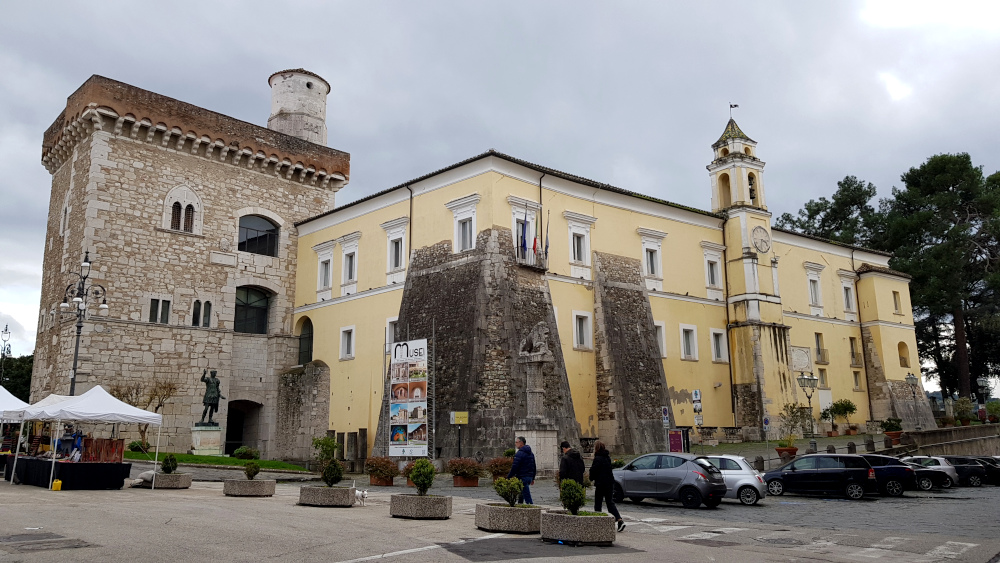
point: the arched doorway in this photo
(243, 425)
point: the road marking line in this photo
(669, 528)
(950, 550)
(653, 520)
(699, 536)
(419, 549)
(727, 530)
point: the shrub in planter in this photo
(246, 452)
(251, 470)
(572, 496)
(509, 452)
(465, 470)
(499, 466)
(333, 473)
(510, 517)
(167, 479)
(993, 411)
(249, 487)
(844, 408)
(422, 474)
(892, 425)
(574, 526)
(326, 450)
(169, 464)
(137, 446)
(617, 463)
(948, 421)
(381, 471)
(330, 495)
(421, 505)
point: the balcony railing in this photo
(822, 355)
(856, 360)
(528, 257)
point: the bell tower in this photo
(737, 174)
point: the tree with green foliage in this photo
(333, 473)
(17, 376)
(844, 408)
(508, 489)
(847, 218)
(422, 475)
(572, 495)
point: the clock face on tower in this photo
(761, 240)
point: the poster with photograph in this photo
(409, 420)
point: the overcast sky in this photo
(632, 95)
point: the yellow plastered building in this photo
(645, 304)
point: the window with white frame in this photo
(324, 269)
(580, 226)
(660, 328)
(579, 247)
(848, 299)
(814, 284)
(390, 331)
(395, 257)
(464, 211)
(583, 331)
(349, 263)
(896, 303)
(689, 342)
(847, 278)
(857, 381)
(822, 378)
(523, 213)
(347, 343)
(652, 244)
(713, 268)
(720, 349)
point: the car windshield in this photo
(704, 462)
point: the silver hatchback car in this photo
(742, 480)
(693, 480)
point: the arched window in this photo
(746, 151)
(175, 216)
(725, 196)
(196, 313)
(752, 180)
(904, 355)
(251, 310)
(306, 342)
(189, 219)
(258, 235)
(207, 318)
(725, 152)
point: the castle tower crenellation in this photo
(298, 104)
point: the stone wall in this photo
(631, 386)
(474, 308)
(303, 411)
(980, 440)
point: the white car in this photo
(935, 462)
(743, 482)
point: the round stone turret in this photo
(298, 104)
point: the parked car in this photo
(970, 471)
(847, 474)
(935, 462)
(693, 480)
(928, 477)
(743, 482)
(893, 475)
(992, 466)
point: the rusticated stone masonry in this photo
(631, 385)
(475, 308)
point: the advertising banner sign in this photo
(408, 417)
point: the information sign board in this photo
(409, 421)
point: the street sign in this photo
(767, 424)
(459, 417)
(696, 395)
(698, 420)
(665, 412)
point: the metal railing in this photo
(532, 259)
(822, 355)
(856, 360)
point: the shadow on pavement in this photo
(527, 547)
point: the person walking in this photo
(604, 482)
(571, 466)
(523, 468)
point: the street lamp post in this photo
(984, 387)
(914, 385)
(808, 384)
(80, 293)
(4, 350)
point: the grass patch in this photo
(589, 513)
(219, 460)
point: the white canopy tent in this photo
(9, 402)
(96, 405)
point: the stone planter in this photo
(500, 517)
(852, 432)
(832, 434)
(894, 435)
(420, 507)
(327, 496)
(170, 481)
(380, 481)
(248, 487)
(460, 481)
(561, 526)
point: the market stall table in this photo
(74, 476)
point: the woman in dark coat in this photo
(604, 482)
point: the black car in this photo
(847, 474)
(893, 476)
(971, 473)
(929, 477)
(992, 466)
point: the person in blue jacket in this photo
(523, 468)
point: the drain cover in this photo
(30, 537)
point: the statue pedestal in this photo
(543, 437)
(206, 440)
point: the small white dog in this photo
(361, 496)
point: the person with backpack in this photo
(604, 482)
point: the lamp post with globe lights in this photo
(4, 350)
(808, 384)
(984, 391)
(80, 293)
(914, 383)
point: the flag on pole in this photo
(524, 234)
(548, 223)
(731, 106)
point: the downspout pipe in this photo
(861, 340)
(409, 239)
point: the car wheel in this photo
(894, 488)
(975, 481)
(713, 503)
(925, 483)
(636, 500)
(748, 495)
(947, 483)
(690, 497)
(619, 494)
(775, 487)
(854, 491)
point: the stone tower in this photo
(188, 216)
(298, 104)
